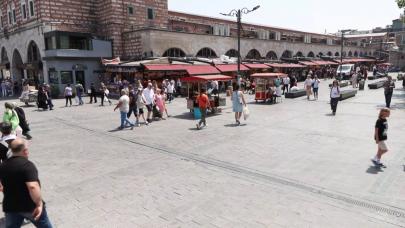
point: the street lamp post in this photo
(238, 13)
(341, 50)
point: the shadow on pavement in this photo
(185, 116)
(329, 114)
(373, 170)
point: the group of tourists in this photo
(135, 99)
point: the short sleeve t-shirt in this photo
(202, 101)
(124, 100)
(382, 127)
(68, 91)
(14, 173)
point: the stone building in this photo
(63, 41)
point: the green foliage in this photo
(401, 3)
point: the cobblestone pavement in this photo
(290, 165)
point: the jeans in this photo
(125, 120)
(15, 220)
(93, 95)
(334, 103)
(388, 97)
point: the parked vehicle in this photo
(345, 71)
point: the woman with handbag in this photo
(238, 101)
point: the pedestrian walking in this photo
(238, 102)
(149, 95)
(315, 87)
(293, 82)
(93, 93)
(160, 100)
(22, 189)
(308, 87)
(10, 116)
(79, 93)
(105, 93)
(389, 86)
(42, 98)
(132, 102)
(140, 103)
(23, 122)
(380, 136)
(170, 91)
(178, 87)
(123, 105)
(334, 96)
(286, 82)
(68, 95)
(47, 92)
(203, 104)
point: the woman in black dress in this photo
(42, 98)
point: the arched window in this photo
(33, 52)
(344, 54)
(320, 54)
(330, 53)
(174, 52)
(356, 54)
(253, 54)
(350, 53)
(299, 54)
(287, 54)
(232, 53)
(206, 53)
(311, 54)
(337, 54)
(271, 55)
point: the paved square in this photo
(291, 165)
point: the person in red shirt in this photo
(203, 104)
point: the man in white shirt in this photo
(149, 95)
(286, 82)
(170, 91)
(123, 105)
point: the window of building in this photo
(66, 77)
(14, 15)
(53, 77)
(151, 14)
(24, 10)
(32, 8)
(130, 10)
(63, 40)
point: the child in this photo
(380, 136)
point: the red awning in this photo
(201, 69)
(166, 67)
(285, 65)
(357, 60)
(324, 63)
(205, 78)
(268, 75)
(231, 67)
(308, 63)
(256, 66)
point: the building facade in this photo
(62, 41)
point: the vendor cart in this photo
(194, 85)
(263, 82)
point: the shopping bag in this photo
(246, 113)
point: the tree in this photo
(401, 3)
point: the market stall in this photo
(196, 83)
(264, 81)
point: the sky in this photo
(303, 15)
